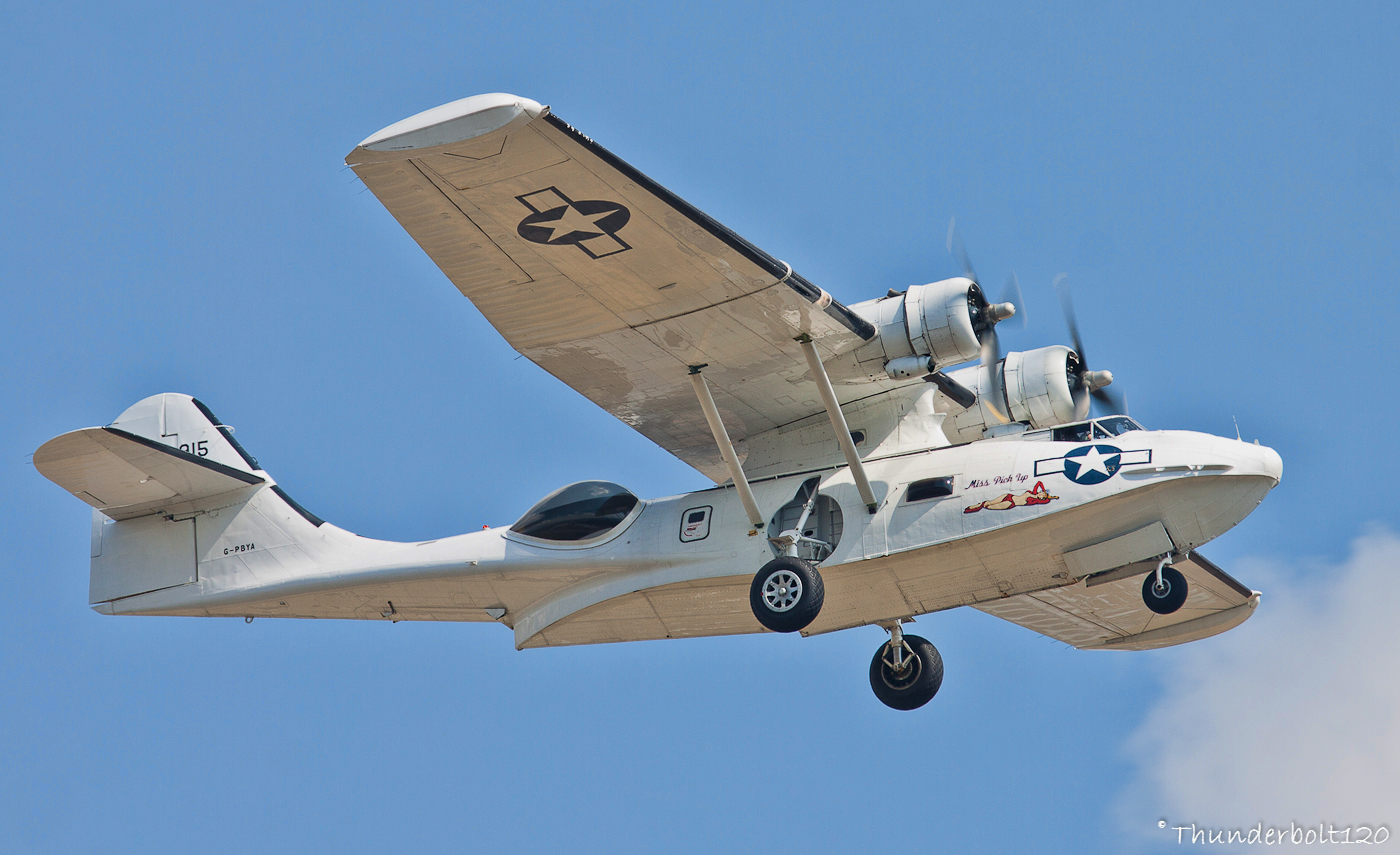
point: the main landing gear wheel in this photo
(906, 672)
(1166, 597)
(786, 594)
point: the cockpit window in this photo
(1118, 425)
(1072, 433)
(1098, 429)
(579, 511)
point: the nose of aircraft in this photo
(1268, 461)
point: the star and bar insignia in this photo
(590, 224)
(1091, 464)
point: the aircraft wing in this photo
(1106, 612)
(603, 277)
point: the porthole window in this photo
(930, 488)
(582, 511)
(695, 524)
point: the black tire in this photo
(1166, 601)
(786, 594)
(919, 682)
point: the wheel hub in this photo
(782, 590)
(906, 671)
(903, 674)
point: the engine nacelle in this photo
(1037, 389)
(940, 321)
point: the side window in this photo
(695, 524)
(929, 488)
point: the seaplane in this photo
(872, 463)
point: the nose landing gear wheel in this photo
(907, 677)
(1167, 597)
(786, 594)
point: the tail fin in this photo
(165, 467)
(184, 423)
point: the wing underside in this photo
(603, 277)
(1106, 612)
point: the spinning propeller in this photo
(1084, 383)
(985, 317)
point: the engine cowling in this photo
(941, 321)
(1037, 389)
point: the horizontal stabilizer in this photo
(124, 475)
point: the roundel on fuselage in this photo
(1092, 464)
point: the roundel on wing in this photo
(1092, 464)
(574, 222)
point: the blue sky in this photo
(1220, 182)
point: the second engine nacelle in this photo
(942, 321)
(1037, 388)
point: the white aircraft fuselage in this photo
(1012, 517)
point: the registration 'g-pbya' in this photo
(861, 476)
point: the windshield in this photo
(577, 512)
(1098, 429)
(1118, 425)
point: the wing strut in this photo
(838, 421)
(726, 448)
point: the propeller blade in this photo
(1067, 305)
(1081, 402)
(1011, 293)
(960, 394)
(1084, 391)
(991, 347)
(1080, 391)
(1110, 401)
(958, 251)
(991, 356)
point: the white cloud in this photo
(1293, 717)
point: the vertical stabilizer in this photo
(178, 502)
(185, 424)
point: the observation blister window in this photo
(582, 511)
